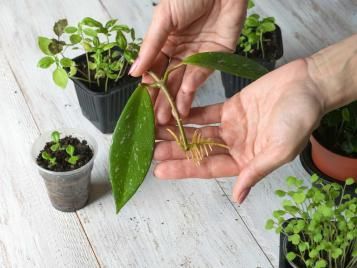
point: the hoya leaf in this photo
(75, 38)
(92, 22)
(70, 29)
(228, 63)
(132, 148)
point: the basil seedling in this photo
(51, 160)
(72, 159)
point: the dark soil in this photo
(82, 150)
(272, 47)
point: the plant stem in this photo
(88, 70)
(82, 79)
(175, 113)
(106, 84)
(261, 45)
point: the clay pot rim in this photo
(314, 139)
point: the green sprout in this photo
(52, 160)
(323, 225)
(109, 50)
(254, 29)
(56, 141)
(72, 159)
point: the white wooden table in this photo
(186, 223)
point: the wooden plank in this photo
(32, 234)
(196, 227)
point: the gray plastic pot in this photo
(69, 190)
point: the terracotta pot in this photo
(334, 165)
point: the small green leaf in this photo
(268, 26)
(45, 155)
(55, 147)
(269, 224)
(346, 115)
(66, 62)
(280, 193)
(350, 181)
(60, 77)
(45, 62)
(43, 43)
(75, 38)
(55, 135)
(121, 40)
(73, 159)
(59, 27)
(70, 29)
(90, 32)
(321, 264)
(250, 4)
(110, 23)
(91, 22)
(299, 197)
(229, 63)
(70, 150)
(72, 71)
(290, 256)
(56, 46)
(132, 148)
(314, 178)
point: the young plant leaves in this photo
(228, 63)
(132, 148)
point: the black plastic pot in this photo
(104, 108)
(309, 166)
(233, 84)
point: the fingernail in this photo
(242, 196)
(133, 67)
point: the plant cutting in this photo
(261, 41)
(134, 136)
(100, 73)
(315, 231)
(65, 165)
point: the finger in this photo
(163, 109)
(170, 150)
(259, 167)
(154, 40)
(206, 132)
(193, 78)
(214, 166)
(159, 66)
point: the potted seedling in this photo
(319, 233)
(65, 165)
(134, 136)
(333, 149)
(261, 41)
(100, 73)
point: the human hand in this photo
(265, 125)
(180, 28)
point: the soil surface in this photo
(82, 150)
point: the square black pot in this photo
(103, 109)
(233, 84)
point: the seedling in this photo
(51, 160)
(134, 136)
(56, 141)
(72, 159)
(322, 234)
(109, 49)
(254, 29)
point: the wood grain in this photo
(188, 223)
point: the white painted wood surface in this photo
(189, 223)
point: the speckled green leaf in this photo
(228, 63)
(132, 148)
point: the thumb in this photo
(259, 167)
(154, 40)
